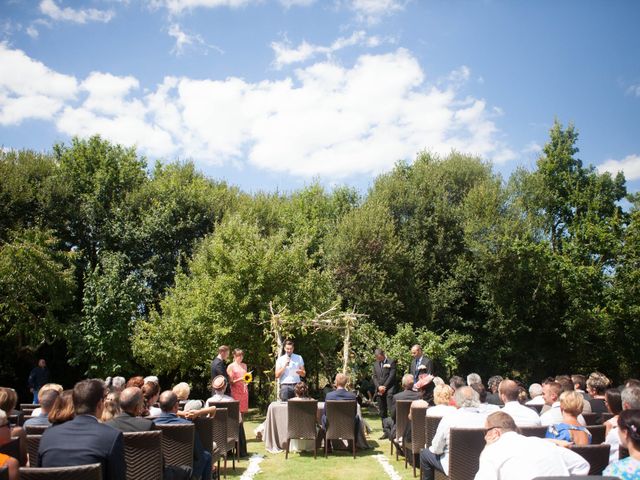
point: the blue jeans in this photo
(202, 466)
(429, 463)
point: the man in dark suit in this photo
(422, 365)
(388, 424)
(84, 440)
(131, 402)
(384, 380)
(219, 366)
(340, 393)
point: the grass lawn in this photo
(339, 465)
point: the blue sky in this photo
(272, 94)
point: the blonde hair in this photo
(182, 390)
(598, 382)
(571, 402)
(442, 394)
(50, 386)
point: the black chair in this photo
(143, 455)
(431, 428)
(33, 444)
(597, 434)
(80, 472)
(177, 443)
(16, 419)
(418, 437)
(301, 423)
(340, 423)
(402, 420)
(233, 427)
(596, 455)
(537, 408)
(604, 416)
(35, 429)
(465, 446)
(533, 431)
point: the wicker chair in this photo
(177, 443)
(430, 429)
(27, 408)
(402, 420)
(301, 422)
(143, 455)
(35, 429)
(533, 431)
(340, 423)
(80, 472)
(16, 419)
(204, 430)
(604, 416)
(33, 444)
(591, 418)
(418, 437)
(4, 473)
(596, 455)
(219, 427)
(233, 427)
(597, 434)
(465, 446)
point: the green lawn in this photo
(339, 465)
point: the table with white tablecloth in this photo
(275, 428)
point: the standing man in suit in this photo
(219, 366)
(84, 440)
(421, 365)
(384, 380)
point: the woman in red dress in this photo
(236, 371)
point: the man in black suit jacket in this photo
(421, 364)
(388, 424)
(84, 440)
(131, 402)
(219, 366)
(384, 380)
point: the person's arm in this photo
(440, 438)
(14, 468)
(191, 414)
(574, 462)
(301, 371)
(281, 366)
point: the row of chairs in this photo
(466, 444)
(146, 452)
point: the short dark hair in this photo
(301, 390)
(87, 394)
(167, 400)
(223, 348)
(289, 342)
(456, 382)
(482, 392)
(580, 380)
(629, 420)
(614, 400)
(502, 420)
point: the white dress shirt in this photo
(290, 374)
(516, 457)
(465, 417)
(554, 415)
(537, 400)
(613, 440)
(523, 416)
(440, 410)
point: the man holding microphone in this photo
(289, 369)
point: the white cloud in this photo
(32, 31)
(296, 3)
(634, 90)
(68, 14)
(28, 89)
(285, 54)
(326, 119)
(372, 11)
(629, 165)
(178, 6)
(532, 147)
(185, 40)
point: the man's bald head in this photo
(168, 401)
(131, 400)
(509, 390)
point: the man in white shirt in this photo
(535, 392)
(289, 369)
(523, 416)
(436, 457)
(630, 399)
(551, 392)
(511, 456)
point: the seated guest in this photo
(630, 398)
(570, 430)
(468, 415)
(597, 384)
(8, 400)
(551, 393)
(111, 406)
(150, 394)
(129, 419)
(492, 396)
(115, 384)
(511, 456)
(340, 393)
(201, 457)
(473, 378)
(62, 409)
(580, 385)
(407, 393)
(567, 386)
(137, 381)
(219, 386)
(523, 416)
(484, 406)
(49, 386)
(182, 390)
(47, 399)
(456, 382)
(11, 463)
(442, 395)
(629, 431)
(535, 393)
(84, 440)
(613, 399)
